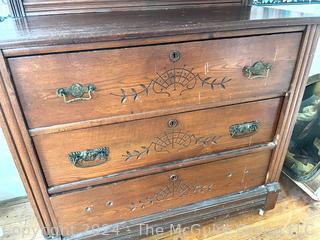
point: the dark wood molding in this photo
(132, 117)
(246, 2)
(272, 195)
(251, 200)
(16, 134)
(52, 32)
(18, 52)
(293, 100)
(16, 8)
(41, 7)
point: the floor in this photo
(296, 216)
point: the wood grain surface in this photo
(73, 29)
(197, 133)
(133, 81)
(146, 195)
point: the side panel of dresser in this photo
(21, 147)
(291, 107)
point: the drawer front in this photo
(156, 79)
(100, 151)
(125, 200)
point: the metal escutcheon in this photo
(172, 123)
(175, 55)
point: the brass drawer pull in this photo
(244, 129)
(259, 69)
(76, 91)
(90, 157)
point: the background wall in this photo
(10, 183)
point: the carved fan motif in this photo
(176, 79)
(174, 189)
(172, 140)
(175, 140)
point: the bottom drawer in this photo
(91, 208)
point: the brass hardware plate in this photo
(76, 92)
(244, 129)
(90, 157)
(259, 69)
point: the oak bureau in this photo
(122, 114)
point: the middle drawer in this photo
(99, 151)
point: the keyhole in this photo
(173, 178)
(88, 209)
(172, 123)
(174, 56)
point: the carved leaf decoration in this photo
(207, 141)
(213, 83)
(167, 144)
(214, 140)
(145, 149)
(186, 78)
(128, 156)
(205, 81)
(145, 89)
(123, 95)
(137, 153)
(134, 94)
(224, 81)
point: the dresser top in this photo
(97, 27)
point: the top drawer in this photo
(156, 79)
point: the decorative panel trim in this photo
(282, 2)
(16, 8)
(167, 81)
(45, 7)
(175, 188)
(293, 100)
(176, 139)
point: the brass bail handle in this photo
(76, 92)
(90, 157)
(244, 129)
(259, 69)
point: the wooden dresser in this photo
(150, 116)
